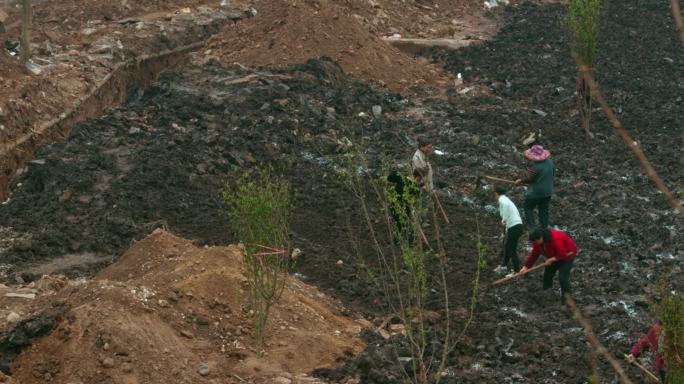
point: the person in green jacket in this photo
(539, 180)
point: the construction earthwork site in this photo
(123, 261)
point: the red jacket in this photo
(650, 341)
(559, 246)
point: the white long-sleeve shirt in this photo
(509, 213)
(421, 164)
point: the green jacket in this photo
(540, 180)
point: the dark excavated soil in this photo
(163, 159)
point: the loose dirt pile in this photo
(169, 312)
(285, 33)
(444, 19)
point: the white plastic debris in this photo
(377, 111)
(459, 80)
(33, 68)
(495, 3)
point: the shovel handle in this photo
(441, 209)
(509, 278)
(500, 180)
(645, 370)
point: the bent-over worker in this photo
(510, 218)
(560, 252)
(655, 341)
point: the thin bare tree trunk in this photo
(628, 140)
(25, 31)
(677, 15)
(595, 343)
(584, 103)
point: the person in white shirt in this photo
(510, 217)
(421, 164)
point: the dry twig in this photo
(628, 140)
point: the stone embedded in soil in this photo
(85, 199)
(377, 111)
(13, 317)
(203, 369)
(108, 362)
(187, 334)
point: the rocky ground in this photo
(163, 158)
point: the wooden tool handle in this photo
(500, 180)
(645, 370)
(509, 278)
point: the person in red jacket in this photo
(656, 342)
(560, 252)
(650, 341)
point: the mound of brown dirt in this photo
(285, 33)
(449, 19)
(169, 312)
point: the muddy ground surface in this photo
(163, 159)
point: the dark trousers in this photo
(563, 268)
(542, 204)
(511, 246)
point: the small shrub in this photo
(259, 209)
(670, 311)
(584, 18)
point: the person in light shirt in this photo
(421, 164)
(510, 218)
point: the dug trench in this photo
(121, 71)
(163, 158)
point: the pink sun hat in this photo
(537, 153)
